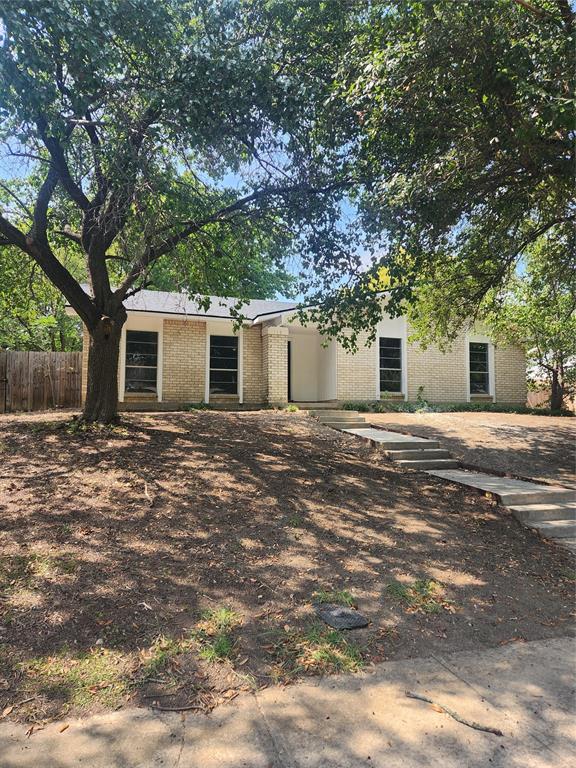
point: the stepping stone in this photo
(554, 529)
(533, 512)
(339, 616)
(507, 489)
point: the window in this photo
(223, 365)
(141, 361)
(390, 365)
(479, 380)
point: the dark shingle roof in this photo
(168, 303)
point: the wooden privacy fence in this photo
(34, 381)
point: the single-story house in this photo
(174, 352)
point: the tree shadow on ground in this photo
(174, 513)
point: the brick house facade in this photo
(174, 353)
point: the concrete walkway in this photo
(550, 509)
(525, 690)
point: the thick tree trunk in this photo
(102, 393)
(557, 392)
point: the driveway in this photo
(538, 447)
(525, 691)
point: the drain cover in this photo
(340, 617)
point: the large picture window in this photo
(479, 374)
(141, 361)
(390, 365)
(223, 365)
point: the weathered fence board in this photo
(34, 381)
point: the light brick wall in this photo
(443, 375)
(184, 361)
(510, 375)
(253, 373)
(275, 364)
(356, 374)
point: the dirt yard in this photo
(173, 561)
(539, 447)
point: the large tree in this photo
(461, 122)
(133, 114)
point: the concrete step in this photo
(509, 490)
(391, 441)
(554, 529)
(346, 425)
(340, 415)
(559, 511)
(428, 463)
(420, 453)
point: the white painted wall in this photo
(304, 365)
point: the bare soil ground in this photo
(540, 447)
(173, 561)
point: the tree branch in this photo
(540, 12)
(76, 237)
(52, 268)
(40, 218)
(59, 160)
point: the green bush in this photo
(422, 406)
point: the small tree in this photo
(539, 311)
(131, 114)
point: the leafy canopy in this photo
(460, 119)
(180, 131)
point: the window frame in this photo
(236, 370)
(155, 390)
(399, 370)
(487, 391)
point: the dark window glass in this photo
(390, 365)
(223, 365)
(479, 379)
(141, 361)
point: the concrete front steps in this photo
(551, 510)
(339, 419)
(405, 450)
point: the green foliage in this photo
(537, 310)
(383, 406)
(338, 597)
(82, 679)
(462, 130)
(32, 310)
(316, 650)
(420, 596)
(213, 633)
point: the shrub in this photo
(422, 406)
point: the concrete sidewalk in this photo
(525, 690)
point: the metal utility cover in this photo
(339, 616)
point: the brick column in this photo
(275, 364)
